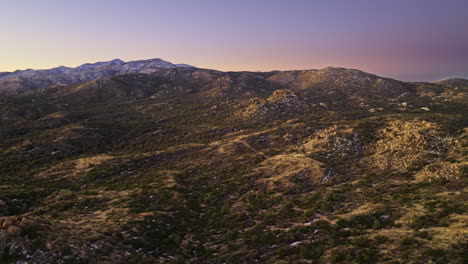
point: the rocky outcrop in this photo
(281, 103)
(405, 145)
(25, 225)
(289, 172)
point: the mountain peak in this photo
(117, 61)
(12, 83)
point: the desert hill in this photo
(169, 164)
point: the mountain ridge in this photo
(453, 81)
(24, 80)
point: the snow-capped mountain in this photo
(25, 80)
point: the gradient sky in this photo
(404, 39)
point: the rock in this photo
(8, 222)
(295, 243)
(384, 217)
(25, 222)
(14, 230)
(2, 203)
(323, 104)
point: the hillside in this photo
(188, 165)
(454, 82)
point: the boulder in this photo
(14, 230)
(7, 222)
(25, 222)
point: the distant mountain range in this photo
(19, 81)
(23, 80)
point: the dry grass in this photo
(441, 171)
(404, 143)
(75, 167)
(279, 171)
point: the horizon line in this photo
(264, 71)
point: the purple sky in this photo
(404, 39)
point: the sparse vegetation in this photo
(197, 166)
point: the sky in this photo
(411, 40)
